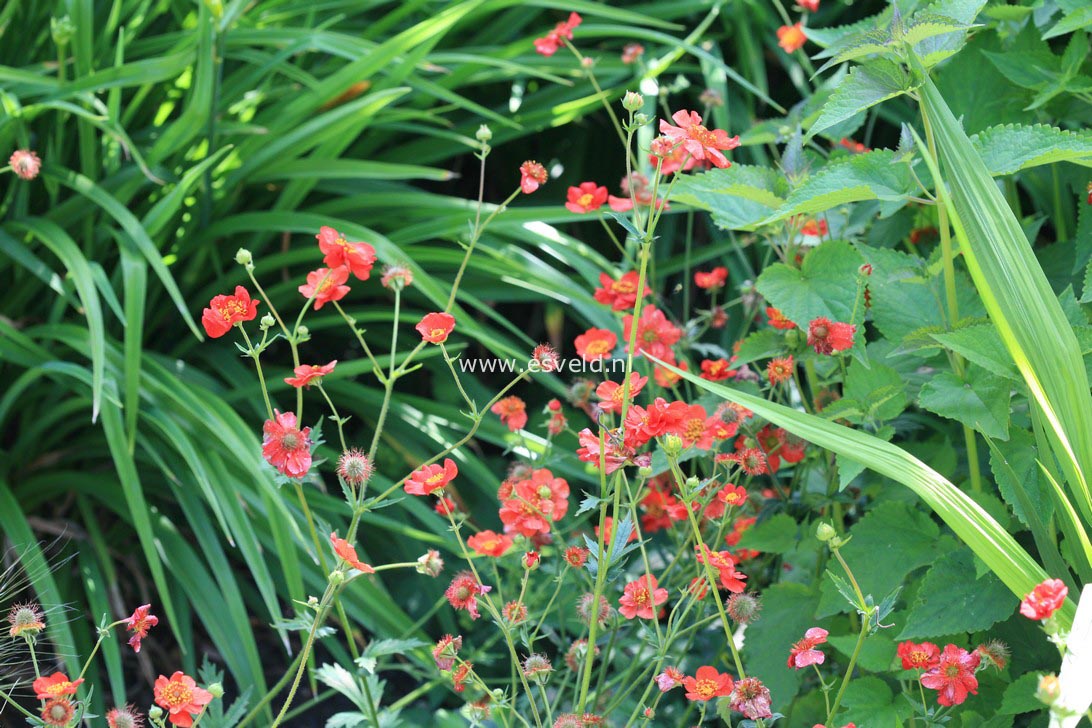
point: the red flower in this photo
(725, 565)
(669, 679)
(531, 175)
(512, 412)
(1044, 600)
(631, 52)
(55, 686)
(549, 44)
(461, 674)
(489, 543)
(614, 457)
(25, 163)
(595, 344)
(325, 285)
(778, 319)
(699, 142)
(670, 158)
(307, 373)
(751, 697)
(655, 334)
(347, 553)
(734, 496)
(717, 370)
(436, 327)
(814, 228)
(830, 337)
(918, 657)
(640, 596)
(779, 370)
(810, 5)
(692, 428)
(611, 392)
(713, 279)
(58, 712)
(428, 479)
(357, 257)
(954, 675)
(708, 684)
(853, 146)
(463, 593)
(446, 650)
(588, 197)
(285, 446)
(803, 653)
(535, 503)
(620, 294)
(226, 311)
(791, 37)
(181, 697)
(139, 624)
(576, 556)
(635, 189)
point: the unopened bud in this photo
(632, 101)
(266, 322)
(217, 690)
(672, 444)
(531, 560)
(645, 471)
(243, 257)
(865, 269)
(825, 531)
(1049, 689)
(484, 134)
(62, 29)
(155, 712)
(337, 578)
(640, 119)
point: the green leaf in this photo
(1080, 17)
(925, 25)
(788, 610)
(826, 284)
(1016, 472)
(775, 535)
(936, 47)
(980, 400)
(877, 652)
(761, 344)
(951, 600)
(1009, 148)
(739, 197)
(865, 87)
(875, 175)
(980, 344)
(1020, 695)
(869, 701)
(878, 385)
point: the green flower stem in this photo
(849, 671)
(320, 617)
(601, 562)
(458, 382)
(360, 338)
(98, 643)
(337, 417)
(272, 692)
(258, 365)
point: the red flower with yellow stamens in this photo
(139, 623)
(639, 597)
(225, 311)
(588, 197)
(55, 686)
(325, 285)
(181, 698)
(285, 446)
(531, 176)
(307, 373)
(489, 543)
(696, 140)
(357, 257)
(436, 327)
(428, 479)
(707, 684)
(595, 344)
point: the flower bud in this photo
(672, 445)
(531, 560)
(645, 471)
(267, 322)
(243, 257)
(217, 690)
(303, 334)
(1049, 689)
(632, 101)
(155, 712)
(825, 531)
(484, 134)
(62, 29)
(865, 269)
(337, 578)
(692, 483)
(640, 119)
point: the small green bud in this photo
(672, 445)
(303, 333)
(243, 257)
(825, 532)
(155, 713)
(484, 134)
(645, 471)
(640, 119)
(632, 101)
(267, 322)
(337, 578)
(692, 483)
(62, 29)
(217, 690)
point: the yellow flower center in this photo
(176, 694)
(701, 135)
(705, 688)
(585, 199)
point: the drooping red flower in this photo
(814, 228)
(58, 712)
(347, 553)
(701, 143)
(779, 370)
(717, 370)
(692, 428)
(446, 650)
(225, 311)
(672, 158)
(778, 319)
(595, 344)
(139, 624)
(181, 698)
(549, 44)
(924, 656)
(707, 684)
(830, 337)
(55, 686)
(655, 334)
(428, 479)
(512, 412)
(535, 503)
(531, 176)
(640, 597)
(1044, 600)
(791, 37)
(489, 543)
(620, 294)
(614, 456)
(953, 677)
(325, 285)
(461, 674)
(285, 446)
(436, 327)
(357, 257)
(25, 163)
(611, 392)
(631, 52)
(307, 373)
(463, 593)
(588, 197)
(711, 280)
(803, 653)
(669, 679)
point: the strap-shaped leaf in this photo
(865, 87)
(973, 525)
(1012, 147)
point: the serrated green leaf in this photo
(1074, 20)
(865, 87)
(856, 46)
(936, 48)
(979, 344)
(739, 197)
(925, 25)
(775, 535)
(1012, 147)
(1020, 695)
(952, 600)
(874, 175)
(869, 701)
(980, 400)
(824, 285)
(878, 385)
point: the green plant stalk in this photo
(849, 670)
(601, 569)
